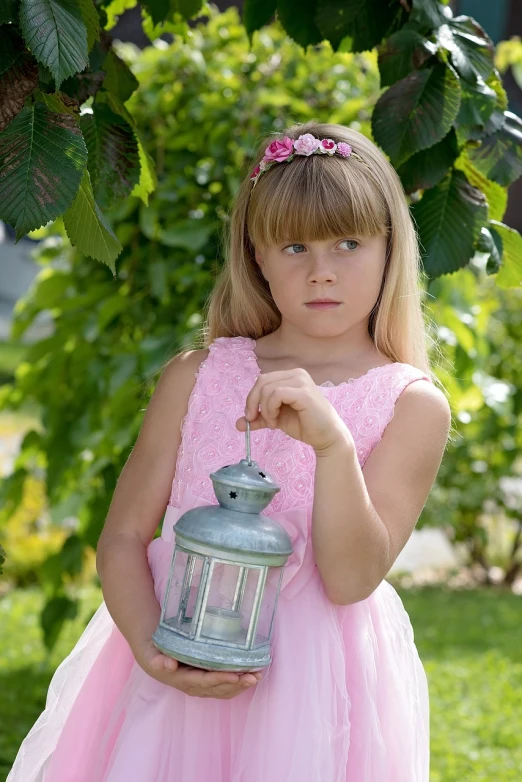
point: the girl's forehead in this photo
(315, 209)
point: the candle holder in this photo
(225, 575)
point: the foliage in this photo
(444, 101)
(469, 643)
(480, 328)
(91, 378)
(509, 55)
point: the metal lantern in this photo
(225, 576)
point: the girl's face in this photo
(347, 269)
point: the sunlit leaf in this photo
(510, 274)
(50, 156)
(87, 228)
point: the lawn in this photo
(470, 643)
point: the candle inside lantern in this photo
(221, 623)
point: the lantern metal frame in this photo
(247, 651)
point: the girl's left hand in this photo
(290, 400)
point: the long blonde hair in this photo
(315, 198)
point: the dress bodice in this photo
(210, 438)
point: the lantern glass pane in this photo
(183, 589)
(266, 612)
(224, 607)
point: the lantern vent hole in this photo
(262, 474)
(232, 495)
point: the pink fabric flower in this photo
(344, 149)
(279, 150)
(328, 146)
(306, 144)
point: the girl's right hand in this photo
(193, 681)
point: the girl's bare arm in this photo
(139, 503)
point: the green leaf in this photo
(486, 246)
(416, 112)
(429, 14)
(449, 218)
(71, 555)
(120, 80)
(59, 102)
(496, 195)
(477, 105)
(188, 234)
(426, 168)
(55, 32)
(114, 163)
(115, 9)
(510, 274)
(359, 24)
(302, 26)
(12, 488)
(87, 229)
(91, 20)
(403, 52)
(16, 83)
(499, 157)
(9, 11)
(2, 560)
(50, 156)
(158, 10)
(148, 178)
(471, 50)
(188, 8)
(55, 612)
(257, 13)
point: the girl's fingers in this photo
(264, 382)
(258, 423)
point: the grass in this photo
(469, 642)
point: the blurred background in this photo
(80, 351)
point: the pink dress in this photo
(345, 698)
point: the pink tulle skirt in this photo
(345, 699)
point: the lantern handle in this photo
(247, 437)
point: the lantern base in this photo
(210, 656)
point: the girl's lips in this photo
(327, 305)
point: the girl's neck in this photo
(273, 355)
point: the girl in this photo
(315, 333)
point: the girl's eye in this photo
(352, 242)
(294, 245)
(353, 245)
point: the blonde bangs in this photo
(316, 198)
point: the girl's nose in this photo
(321, 271)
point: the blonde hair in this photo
(315, 198)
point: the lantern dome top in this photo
(244, 486)
(213, 530)
(235, 529)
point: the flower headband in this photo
(284, 150)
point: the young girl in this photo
(347, 418)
